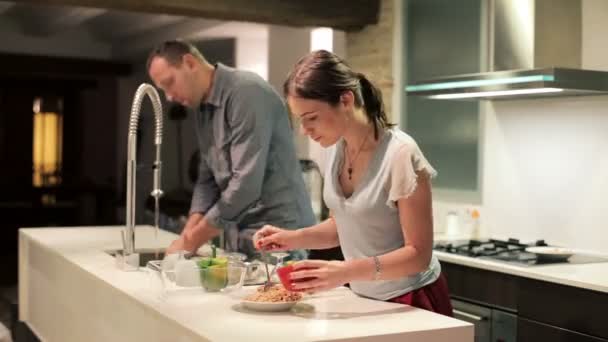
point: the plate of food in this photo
(276, 298)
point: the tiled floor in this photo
(8, 316)
(7, 296)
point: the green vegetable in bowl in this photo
(204, 263)
(219, 261)
(213, 273)
(214, 277)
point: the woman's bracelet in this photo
(378, 268)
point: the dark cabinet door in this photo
(489, 288)
(546, 311)
(532, 331)
(564, 306)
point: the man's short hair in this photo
(173, 51)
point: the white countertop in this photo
(71, 290)
(591, 276)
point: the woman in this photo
(377, 186)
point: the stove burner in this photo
(510, 250)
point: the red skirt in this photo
(433, 297)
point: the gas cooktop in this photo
(510, 251)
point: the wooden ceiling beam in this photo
(340, 14)
(5, 5)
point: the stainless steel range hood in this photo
(535, 51)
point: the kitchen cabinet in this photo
(495, 289)
(486, 299)
(528, 330)
(545, 311)
(561, 306)
(445, 37)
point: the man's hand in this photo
(193, 220)
(196, 232)
(180, 243)
(175, 246)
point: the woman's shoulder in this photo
(401, 142)
(403, 147)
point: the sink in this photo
(145, 254)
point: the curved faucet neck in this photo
(150, 91)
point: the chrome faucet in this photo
(130, 258)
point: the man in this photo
(249, 175)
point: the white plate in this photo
(268, 307)
(549, 251)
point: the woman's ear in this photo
(347, 99)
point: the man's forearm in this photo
(196, 234)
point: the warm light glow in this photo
(322, 38)
(496, 93)
(47, 147)
(252, 55)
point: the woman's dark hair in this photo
(322, 75)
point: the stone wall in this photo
(370, 51)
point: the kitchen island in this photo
(71, 290)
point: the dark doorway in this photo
(88, 132)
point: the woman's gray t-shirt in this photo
(368, 221)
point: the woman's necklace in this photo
(353, 160)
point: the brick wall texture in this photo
(370, 51)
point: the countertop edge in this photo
(532, 272)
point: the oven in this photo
(491, 325)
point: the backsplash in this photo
(546, 171)
(456, 219)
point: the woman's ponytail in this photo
(374, 106)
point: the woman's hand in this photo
(319, 275)
(274, 239)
